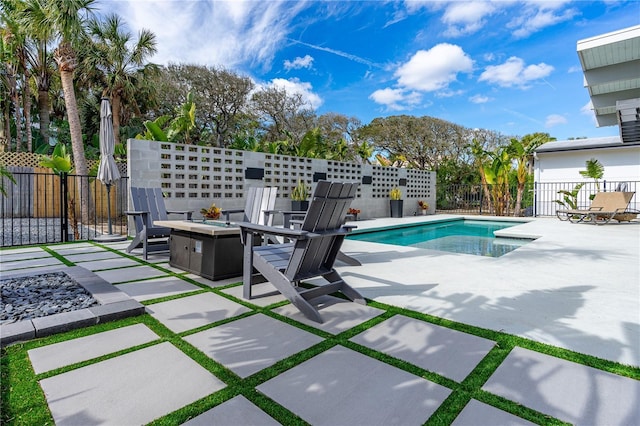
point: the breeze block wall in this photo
(193, 177)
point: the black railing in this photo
(42, 208)
(538, 199)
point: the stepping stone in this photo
(477, 413)
(450, 353)
(210, 283)
(65, 250)
(251, 344)
(237, 411)
(11, 255)
(196, 311)
(130, 389)
(263, 294)
(115, 276)
(344, 387)
(566, 390)
(61, 354)
(120, 262)
(87, 257)
(158, 287)
(338, 314)
(29, 263)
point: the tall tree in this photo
(12, 45)
(120, 61)
(67, 20)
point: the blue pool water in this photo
(459, 236)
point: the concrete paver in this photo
(237, 411)
(263, 294)
(130, 389)
(115, 276)
(250, 344)
(568, 391)
(18, 254)
(16, 265)
(338, 314)
(119, 262)
(343, 387)
(81, 248)
(441, 350)
(93, 256)
(477, 413)
(157, 287)
(61, 354)
(191, 312)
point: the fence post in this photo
(481, 198)
(64, 208)
(535, 199)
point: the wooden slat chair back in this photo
(325, 215)
(259, 206)
(148, 204)
(312, 254)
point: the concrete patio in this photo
(575, 287)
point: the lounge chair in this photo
(148, 204)
(311, 254)
(604, 207)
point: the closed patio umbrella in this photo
(108, 172)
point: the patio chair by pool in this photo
(311, 254)
(604, 208)
(149, 207)
(259, 207)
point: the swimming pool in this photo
(458, 236)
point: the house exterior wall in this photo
(621, 165)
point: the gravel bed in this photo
(41, 295)
(27, 231)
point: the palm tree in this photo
(480, 159)
(120, 63)
(67, 20)
(11, 46)
(39, 58)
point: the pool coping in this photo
(113, 304)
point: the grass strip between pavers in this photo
(24, 403)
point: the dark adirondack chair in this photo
(149, 207)
(312, 253)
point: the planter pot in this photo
(300, 206)
(396, 207)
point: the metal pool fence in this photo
(538, 199)
(42, 207)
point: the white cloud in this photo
(514, 73)
(554, 120)
(466, 17)
(396, 99)
(227, 33)
(573, 69)
(479, 99)
(539, 14)
(434, 69)
(305, 89)
(587, 109)
(297, 63)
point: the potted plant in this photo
(299, 197)
(212, 213)
(423, 207)
(353, 212)
(396, 202)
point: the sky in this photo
(503, 65)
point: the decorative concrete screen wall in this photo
(193, 177)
